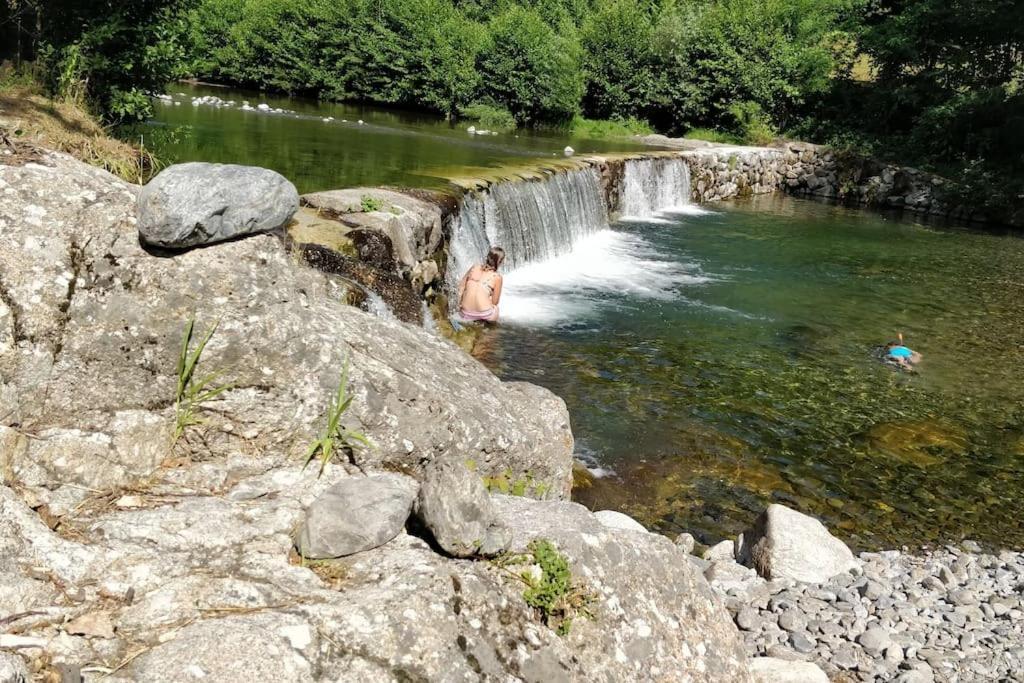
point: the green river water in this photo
(713, 363)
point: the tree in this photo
(530, 69)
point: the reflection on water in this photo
(389, 147)
(714, 363)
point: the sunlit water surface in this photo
(715, 361)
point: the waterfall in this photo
(531, 220)
(653, 185)
(376, 305)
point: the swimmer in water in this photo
(896, 352)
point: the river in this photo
(718, 358)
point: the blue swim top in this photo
(900, 352)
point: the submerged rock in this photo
(356, 514)
(787, 544)
(199, 203)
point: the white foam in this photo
(571, 286)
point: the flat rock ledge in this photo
(949, 614)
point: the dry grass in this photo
(26, 116)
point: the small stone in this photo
(874, 640)
(963, 596)
(792, 621)
(92, 625)
(775, 670)
(946, 576)
(686, 542)
(872, 590)
(747, 619)
(802, 642)
(844, 658)
(723, 550)
(356, 514)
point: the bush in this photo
(529, 69)
(489, 117)
(613, 128)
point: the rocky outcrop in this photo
(356, 514)
(198, 203)
(127, 551)
(89, 387)
(200, 585)
(786, 544)
(414, 226)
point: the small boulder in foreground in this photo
(192, 204)
(456, 508)
(774, 670)
(356, 514)
(786, 544)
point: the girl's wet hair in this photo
(495, 257)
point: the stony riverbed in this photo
(949, 614)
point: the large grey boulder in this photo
(456, 508)
(775, 670)
(356, 514)
(199, 203)
(785, 543)
(94, 324)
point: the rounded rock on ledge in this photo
(197, 203)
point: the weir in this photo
(653, 185)
(532, 220)
(540, 219)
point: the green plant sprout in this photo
(335, 436)
(192, 392)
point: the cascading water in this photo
(654, 185)
(563, 259)
(532, 221)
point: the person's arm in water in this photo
(496, 294)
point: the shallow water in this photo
(715, 361)
(390, 147)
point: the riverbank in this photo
(27, 117)
(914, 616)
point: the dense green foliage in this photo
(107, 53)
(675, 64)
(937, 82)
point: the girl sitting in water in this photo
(480, 289)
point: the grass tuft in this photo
(603, 129)
(335, 437)
(193, 391)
